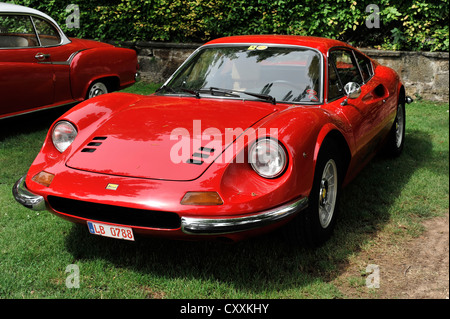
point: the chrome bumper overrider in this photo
(209, 226)
(26, 198)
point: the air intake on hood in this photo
(196, 158)
(91, 145)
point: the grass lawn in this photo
(390, 197)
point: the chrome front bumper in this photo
(26, 198)
(190, 225)
(209, 226)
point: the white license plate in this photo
(112, 231)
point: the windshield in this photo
(281, 74)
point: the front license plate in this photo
(112, 231)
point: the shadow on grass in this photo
(268, 264)
(31, 122)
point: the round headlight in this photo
(268, 158)
(63, 135)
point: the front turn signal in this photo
(202, 198)
(43, 178)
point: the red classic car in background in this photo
(40, 67)
(249, 134)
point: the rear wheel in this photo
(396, 139)
(96, 89)
(315, 225)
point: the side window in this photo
(334, 87)
(346, 67)
(48, 35)
(16, 31)
(365, 65)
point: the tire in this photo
(314, 226)
(396, 138)
(96, 89)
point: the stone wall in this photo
(425, 74)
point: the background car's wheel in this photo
(314, 226)
(96, 89)
(396, 139)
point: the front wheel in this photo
(314, 226)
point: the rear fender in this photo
(91, 65)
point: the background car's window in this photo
(17, 32)
(365, 66)
(48, 35)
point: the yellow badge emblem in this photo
(112, 186)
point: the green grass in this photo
(36, 247)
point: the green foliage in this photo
(404, 25)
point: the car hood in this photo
(168, 138)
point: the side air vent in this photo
(197, 157)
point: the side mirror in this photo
(352, 90)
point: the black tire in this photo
(396, 138)
(314, 226)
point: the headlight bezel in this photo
(62, 140)
(277, 149)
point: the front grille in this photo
(115, 214)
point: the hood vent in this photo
(197, 157)
(93, 145)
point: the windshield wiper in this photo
(193, 92)
(172, 90)
(165, 88)
(261, 96)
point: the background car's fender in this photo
(115, 67)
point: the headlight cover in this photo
(268, 158)
(63, 134)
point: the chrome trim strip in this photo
(26, 198)
(210, 226)
(67, 62)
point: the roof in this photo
(322, 44)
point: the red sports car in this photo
(41, 68)
(249, 134)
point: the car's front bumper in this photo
(191, 225)
(26, 198)
(209, 226)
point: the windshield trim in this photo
(226, 45)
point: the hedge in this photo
(403, 25)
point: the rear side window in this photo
(365, 65)
(48, 35)
(16, 31)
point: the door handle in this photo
(41, 56)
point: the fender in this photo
(304, 131)
(86, 116)
(93, 64)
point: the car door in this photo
(26, 74)
(365, 113)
